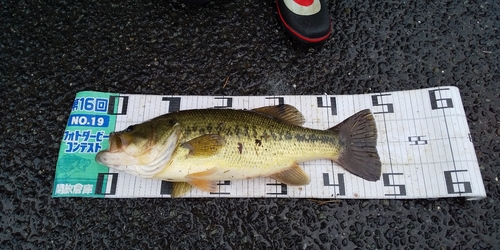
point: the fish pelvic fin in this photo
(205, 145)
(205, 185)
(180, 188)
(358, 133)
(199, 180)
(293, 176)
(283, 112)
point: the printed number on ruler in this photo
(279, 189)
(110, 179)
(398, 189)
(114, 102)
(332, 106)
(220, 186)
(380, 100)
(340, 183)
(440, 103)
(281, 100)
(174, 103)
(227, 102)
(417, 140)
(456, 186)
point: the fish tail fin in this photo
(358, 134)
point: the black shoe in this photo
(307, 20)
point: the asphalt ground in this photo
(50, 50)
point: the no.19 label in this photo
(88, 120)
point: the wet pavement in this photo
(51, 50)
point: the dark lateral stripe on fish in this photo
(314, 138)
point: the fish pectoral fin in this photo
(205, 145)
(294, 176)
(180, 188)
(283, 112)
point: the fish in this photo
(200, 147)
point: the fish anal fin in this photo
(358, 134)
(283, 112)
(180, 188)
(294, 176)
(205, 145)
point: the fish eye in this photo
(130, 128)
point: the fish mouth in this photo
(115, 151)
(117, 142)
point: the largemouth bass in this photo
(200, 147)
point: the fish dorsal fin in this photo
(180, 188)
(293, 176)
(205, 145)
(283, 112)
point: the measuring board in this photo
(423, 141)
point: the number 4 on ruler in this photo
(332, 106)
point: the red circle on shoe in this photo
(304, 2)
